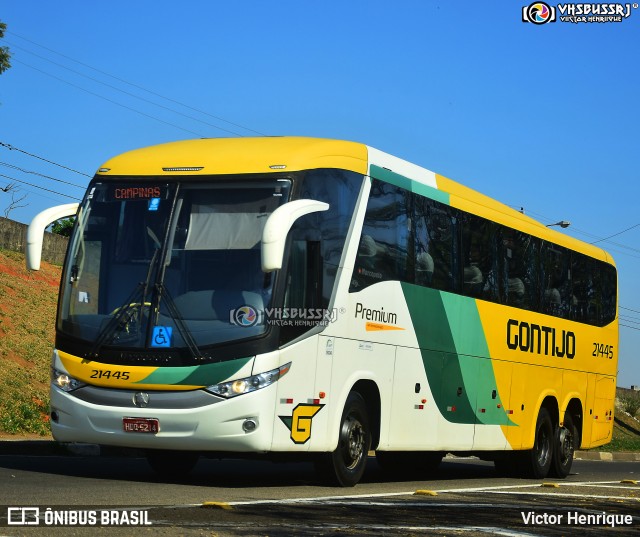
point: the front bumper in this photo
(192, 420)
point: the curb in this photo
(607, 456)
(43, 448)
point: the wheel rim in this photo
(566, 445)
(543, 447)
(352, 442)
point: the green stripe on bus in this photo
(409, 184)
(437, 346)
(198, 375)
(455, 355)
(473, 352)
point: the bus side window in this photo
(423, 246)
(479, 258)
(440, 225)
(608, 287)
(556, 289)
(585, 304)
(519, 257)
(383, 253)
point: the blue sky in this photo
(541, 117)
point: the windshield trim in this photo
(155, 288)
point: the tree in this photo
(4, 51)
(63, 227)
(12, 189)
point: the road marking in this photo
(426, 493)
(496, 489)
(617, 487)
(567, 495)
(217, 505)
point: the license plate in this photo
(141, 425)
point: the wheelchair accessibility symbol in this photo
(161, 336)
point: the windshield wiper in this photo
(178, 319)
(123, 318)
(124, 315)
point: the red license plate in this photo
(140, 425)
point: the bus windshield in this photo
(159, 264)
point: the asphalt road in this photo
(249, 498)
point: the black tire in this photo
(566, 439)
(345, 466)
(172, 464)
(409, 463)
(537, 461)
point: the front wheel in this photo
(345, 466)
(565, 444)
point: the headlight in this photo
(64, 381)
(249, 384)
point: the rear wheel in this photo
(345, 466)
(537, 461)
(566, 439)
(172, 464)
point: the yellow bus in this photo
(300, 297)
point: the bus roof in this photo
(209, 156)
(246, 155)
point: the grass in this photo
(626, 434)
(27, 319)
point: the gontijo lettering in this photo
(540, 339)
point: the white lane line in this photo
(380, 495)
(322, 498)
(617, 487)
(566, 495)
(498, 489)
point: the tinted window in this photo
(384, 244)
(411, 238)
(556, 285)
(519, 254)
(436, 242)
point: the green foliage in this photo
(630, 402)
(4, 51)
(622, 444)
(22, 415)
(63, 227)
(27, 320)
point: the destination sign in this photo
(136, 192)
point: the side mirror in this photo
(276, 229)
(35, 231)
